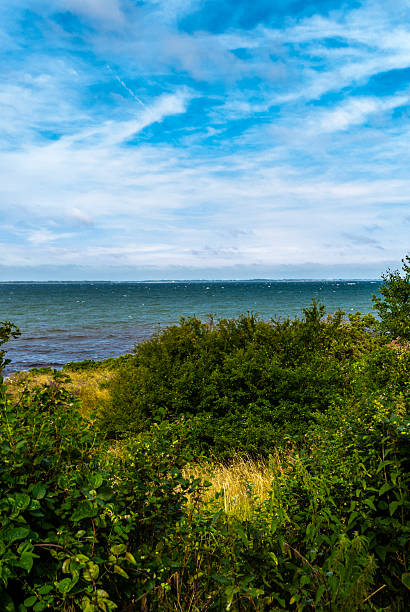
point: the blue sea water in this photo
(63, 322)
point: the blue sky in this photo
(203, 139)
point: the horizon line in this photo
(201, 280)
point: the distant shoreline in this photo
(204, 280)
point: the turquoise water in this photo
(63, 322)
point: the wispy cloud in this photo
(356, 111)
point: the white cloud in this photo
(356, 111)
(370, 42)
(43, 236)
(172, 10)
(150, 192)
(79, 216)
(108, 12)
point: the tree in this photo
(393, 307)
(7, 331)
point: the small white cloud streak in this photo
(125, 86)
(79, 216)
(44, 236)
(355, 112)
(107, 12)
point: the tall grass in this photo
(239, 486)
(90, 386)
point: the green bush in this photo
(80, 526)
(361, 454)
(393, 306)
(7, 331)
(111, 363)
(244, 383)
(88, 526)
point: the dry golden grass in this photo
(87, 385)
(242, 484)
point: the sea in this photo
(72, 321)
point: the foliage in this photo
(79, 527)
(84, 527)
(111, 363)
(393, 307)
(7, 331)
(243, 383)
(88, 524)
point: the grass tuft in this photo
(238, 486)
(90, 386)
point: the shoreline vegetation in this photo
(230, 465)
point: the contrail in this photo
(136, 98)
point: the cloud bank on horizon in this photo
(203, 139)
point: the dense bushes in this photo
(91, 527)
(244, 383)
(88, 523)
(81, 526)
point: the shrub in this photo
(7, 331)
(82, 527)
(393, 307)
(93, 527)
(244, 383)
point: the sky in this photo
(189, 139)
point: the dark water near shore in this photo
(63, 322)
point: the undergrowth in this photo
(239, 465)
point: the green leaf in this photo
(352, 518)
(393, 507)
(386, 487)
(26, 561)
(44, 590)
(39, 491)
(65, 585)
(85, 509)
(274, 558)
(16, 533)
(30, 601)
(230, 591)
(21, 501)
(96, 481)
(120, 571)
(91, 572)
(25, 546)
(34, 504)
(383, 464)
(319, 593)
(130, 558)
(369, 502)
(104, 493)
(405, 578)
(6, 602)
(118, 549)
